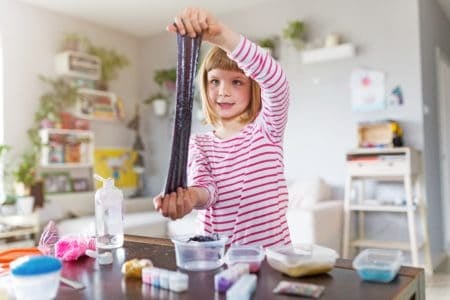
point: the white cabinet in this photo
(400, 165)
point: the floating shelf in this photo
(328, 53)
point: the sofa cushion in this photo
(307, 193)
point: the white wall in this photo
(31, 38)
(434, 28)
(321, 125)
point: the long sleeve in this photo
(199, 171)
(267, 72)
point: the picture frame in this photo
(80, 184)
(57, 182)
(96, 105)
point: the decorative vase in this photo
(159, 107)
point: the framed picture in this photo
(57, 182)
(96, 105)
(80, 184)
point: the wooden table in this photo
(107, 282)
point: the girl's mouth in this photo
(225, 105)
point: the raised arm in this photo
(265, 70)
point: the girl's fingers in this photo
(165, 205)
(172, 210)
(195, 21)
(157, 202)
(178, 23)
(180, 202)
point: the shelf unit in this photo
(388, 165)
(67, 154)
(327, 53)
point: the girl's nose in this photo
(224, 90)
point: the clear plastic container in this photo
(251, 255)
(35, 277)
(380, 265)
(199, 256)
(301, 260)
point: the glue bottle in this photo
(108, 215)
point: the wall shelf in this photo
(328, 53)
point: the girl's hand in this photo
(177, 205)
(197, 21)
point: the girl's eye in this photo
(214, 81)
(237, 82)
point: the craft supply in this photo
(379, 265)
(108, 215)
(35, 277)
(248, 254)
(165, 279)
(243, 288)
(188, 53)
(297, 260)
(178, 282)
(299, 289)
(105, 258)
(225, 279)
(199, 256)
(70, 248)
(133, 267)
(48, 239)
(90, 253)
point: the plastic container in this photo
(301, 260)
(199, 256)
(380, 265)
(251, 255)
(108, 215)
(35, 277)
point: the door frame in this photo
(443, 103)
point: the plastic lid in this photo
(295, 255)
(35, 265)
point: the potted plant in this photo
(166, 78)
(159, 103)
(295, 33)
(60, 97)
(74, 42)
(24, 180)
(112, 63)
(268, 44)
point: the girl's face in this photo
(228, 93)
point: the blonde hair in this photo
(217, 58)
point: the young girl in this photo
(236, 172)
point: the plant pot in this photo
(24, 205)
(159, 107)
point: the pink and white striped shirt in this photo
(244, 174)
